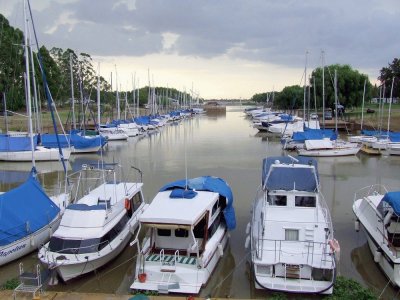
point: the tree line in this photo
(59, 66)
(350, 88)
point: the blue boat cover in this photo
(24, 210)
(16, 143)
(79, 142)
(313, 134)
(283, 178)
(180, 193)
(211, 184)
(393, 199)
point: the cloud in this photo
(360, 33)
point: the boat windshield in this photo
(66, 246)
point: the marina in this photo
(223, 144)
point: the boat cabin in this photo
(183, 223)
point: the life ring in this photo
(127, 204)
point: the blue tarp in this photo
(283, 178)
(25, 210)
(79, 142)
(16, 143)
(211, 184)
(313, 134)
(393, 199)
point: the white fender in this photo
(357, 225)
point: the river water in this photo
(223, 145)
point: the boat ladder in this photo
(29, 282)
(309, 243)
(168, 262)
(168, 268)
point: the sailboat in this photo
(28, 215)
(327, 147)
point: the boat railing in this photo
(326, 213)
(306, 252)
(91, 249)
(370, 190)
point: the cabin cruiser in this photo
(99, 223)
(290, 233)
(379, 212)
(186, 228)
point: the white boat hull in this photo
(329, 152)
(87, 150)
(29, 243)
(40, 154)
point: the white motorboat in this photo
(98, 225)
(291, 234)
(186, 228)
(379, 212)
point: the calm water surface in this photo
(224, 145)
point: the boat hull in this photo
(29, 243)
(40, 154)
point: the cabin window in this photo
(278, 200)
(214, 226)
(199, 229)
(113, 233)
(73, 246)
(215, 207)
(181, 233)
(163, 232)
(305, 201)
(137, 201)
(291, 234)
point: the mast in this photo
(390, 106)
(98, 97)
(305, 91)
(336, 103)
(116, 86)
(72, 92)
(362, 107)
(28, 85)
(323, 88)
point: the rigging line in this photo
(102, 275)
(380, 295)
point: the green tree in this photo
(291, 97)
(12, 66)
(350, 86)
(386, 76)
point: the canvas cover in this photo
(211, 184)
(286, 178)
(25, 210)
(318, 144)
(313, 134)
(393, 199)
(16, 143)
(79, 142)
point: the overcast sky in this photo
(224, 48)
